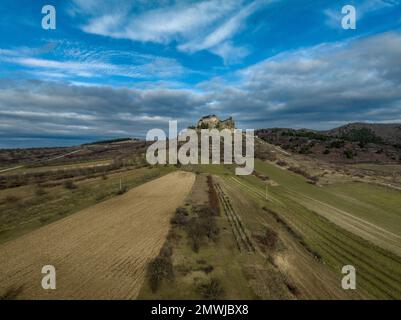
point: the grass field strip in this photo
(342, 249)
(55, 158)
(379, 236)
(385, 239)
(380, 275)
(379, 229)
(375, 266)
(240, 235)
(256, 191)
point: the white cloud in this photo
(193, 26)
(72, 61)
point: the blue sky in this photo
(119, 68)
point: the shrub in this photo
(39, 191)
(205, 211)
(195, 233)
(299, 171)
(281, 163)
(159, 269)
(199, 228)
(349, 154)
(213, 198)
(11, 199)
(336, 144)
(211, 289)
(180, 218)
(305, 150)
(122, 190)
(70, 185)
(44, 219)
(314, 179)
(207, 269)
(269, 239)
(210, 227)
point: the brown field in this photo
(100, 252)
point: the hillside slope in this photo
(388, 132)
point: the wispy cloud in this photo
(75, 61)
(194, 26)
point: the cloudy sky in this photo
(118, 68)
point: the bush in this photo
(299, 171)
(199, 228)
(180, 218)
(195, 233)
(205, 211)
(159, 269)
(314, 179)
(269, 239)
(122, 190)
(39, 191)
(207, 269)
(336, 144)
(166, 251)
(211, 289)
(200, 225)
(349, 154)
(213, 197)
(305, 150)
(70, 185)
(11, 199)
(281, 163)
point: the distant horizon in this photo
(65, 142)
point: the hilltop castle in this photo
(213, 122)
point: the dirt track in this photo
(100, 252)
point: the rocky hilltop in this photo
(389, 133)
(213, 122)
(354, 142)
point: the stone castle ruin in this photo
(213, 122)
